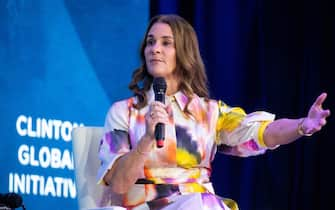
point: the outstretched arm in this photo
(285, 131)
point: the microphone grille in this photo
(159, 84)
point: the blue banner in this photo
(62, 64)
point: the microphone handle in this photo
(160, 135)
(160, 127)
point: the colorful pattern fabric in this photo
(181, 169)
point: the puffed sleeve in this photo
(115, 141)
(241, 134)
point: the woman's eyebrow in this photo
(165, 36)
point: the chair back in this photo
(85, 145)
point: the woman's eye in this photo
(150, 42)
(167, 43)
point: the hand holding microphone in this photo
(157, 116)
(159, 85)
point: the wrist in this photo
(302, 129)
(140, 152)
(147, 137)
(144, 146)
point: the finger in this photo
(149, 120)
(157, 120)
(159, 110)
(159, 117)
(322, 122)
(157, 114)
(161, 114)
(319, 101)
(325, 113)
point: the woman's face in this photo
(160, 51)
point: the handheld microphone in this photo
(159, 85)
(11, 200)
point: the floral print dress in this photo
(177, 176)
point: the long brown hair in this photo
(190, 68)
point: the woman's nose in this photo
(156, 48)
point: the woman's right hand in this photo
(157, 113)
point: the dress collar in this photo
(180, 98)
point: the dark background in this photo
(276, 56)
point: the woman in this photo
(177, 175)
